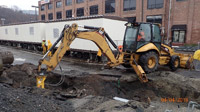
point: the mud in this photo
(93, 92)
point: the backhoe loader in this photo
(142, 49)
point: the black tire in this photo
(174, 62)
(144, 61)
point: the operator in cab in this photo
(141, 36)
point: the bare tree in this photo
(15, 15)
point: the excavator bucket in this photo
(139, 71)
(40, 81)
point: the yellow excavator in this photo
(142, 49)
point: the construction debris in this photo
(93, 92)
(121, 99)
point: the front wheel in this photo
(174, 62)
(149, 61)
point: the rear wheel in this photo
(174, 62)
(149, 61)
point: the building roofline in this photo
(70, 19)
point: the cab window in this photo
(144, 33)
(156, 34)
(130, 38)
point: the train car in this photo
(30, 35)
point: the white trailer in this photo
(23, 34)
(115, 28)
(30, 35)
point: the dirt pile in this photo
(92, 92)
(27, 100)
(19, 75)
(174, 85)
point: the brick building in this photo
(183, 18)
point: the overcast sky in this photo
(22, 4)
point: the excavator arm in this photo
(68, 35)
(95, 34)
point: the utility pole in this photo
(169, 20)
(2, 21)
(35, 11)
(142, 10)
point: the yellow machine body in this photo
(148, 47)
(165, 54)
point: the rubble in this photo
(94, 92)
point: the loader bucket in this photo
(185, 60)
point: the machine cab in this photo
(140, 34)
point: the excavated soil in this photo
(92, 92)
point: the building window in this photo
(6, 31)
(55, 32)
(178, 33)
(16, 31)
(68, 13)
(155, 4)
(50, 16)
(79, 1)
(50, 6)
(42, 7)
(154, 19)
(42, 17)
(31, 31)
(68, 2)
(80, 12)
(109, 6)
(58, 4)
(179, 36)
(59, 15)
(129, 5)
(94, 10)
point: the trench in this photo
(160, 85)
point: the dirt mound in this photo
(26, 100)
(19, 75)
(160, 85)
(175, 85)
